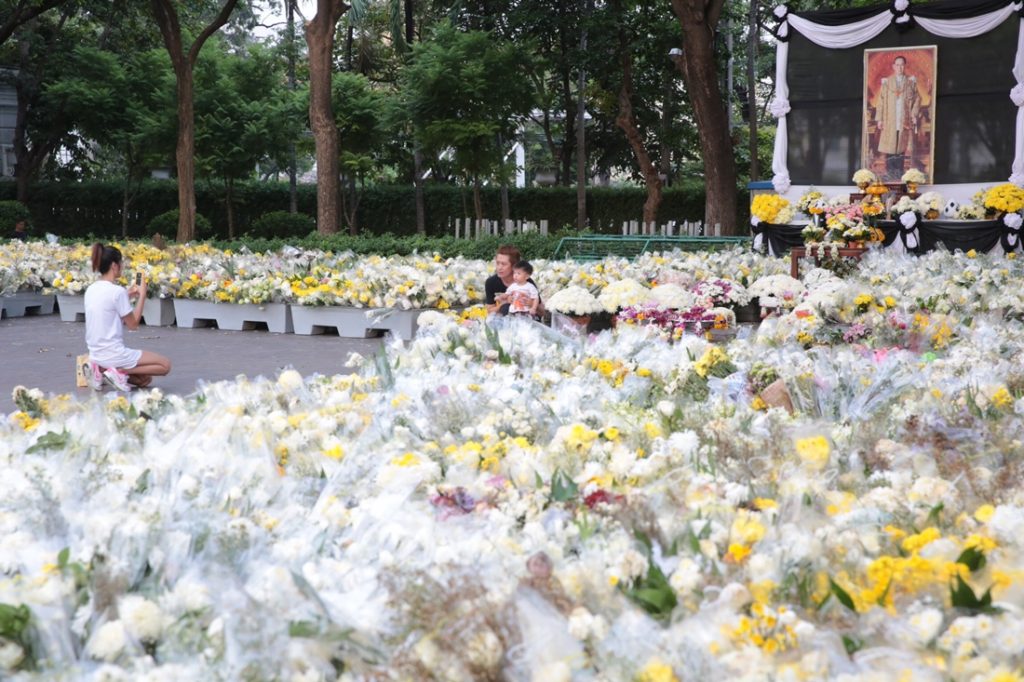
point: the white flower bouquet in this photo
(622, 293)
(914, 176)
(775, 291)
(864, 177)
(574, 300)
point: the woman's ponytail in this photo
(97, 256)
(103, 257)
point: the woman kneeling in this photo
(108, 309)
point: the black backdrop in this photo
(974, 116)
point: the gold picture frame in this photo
(898, 129)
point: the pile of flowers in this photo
(816, 500)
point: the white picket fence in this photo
(672, 228)
(470, 228)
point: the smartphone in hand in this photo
(138, 278)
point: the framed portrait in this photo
(898, 132)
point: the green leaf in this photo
(653, 593)
(933, 515)
(50, 440)
(973, 558)
(302, 628)
(962, 596)
(842, 595)
(13, 620)
(141, 483)
(852, 644)
(62, 558)
(563, 488)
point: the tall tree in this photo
(123, 104)
(698, 20)
(166, 14)
(320, 39)
(243, 114)
(360, 111)
(41, 123)
(20, 12)
(465, 92)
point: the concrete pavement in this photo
(39, 351)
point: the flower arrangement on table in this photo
(1004, 198)
(930, 204)
(912, 178)
(812, 233)
(772, 209)
(864, 177)
(812, 202)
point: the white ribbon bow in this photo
(909, 220)
(779, 107)
(781, 182)
(1017, 94)
(780, 11)
(902, 5)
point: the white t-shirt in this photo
(105, 304)
(521, 297)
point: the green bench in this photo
(596, 247)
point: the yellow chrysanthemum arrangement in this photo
(772, 208)
(1006, 197)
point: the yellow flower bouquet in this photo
(1007, 197)
(771, 208)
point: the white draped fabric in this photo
(780, 166)
(844, 36)
(858, 32)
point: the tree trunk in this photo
(410, 23)
(478, 202)
(697, 20)
(755, 166)
(320, 39)
(184, 153)
(417, 181)
(293, 163)
(581, 136)
(125, 204)
(166, 15)
(627, 122)
(29, 159)
(230, 197)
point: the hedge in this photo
(79, 209)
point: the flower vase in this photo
(931, 214)
(911, 188)
(863, 185)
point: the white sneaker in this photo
(93, 375)
(117, 379)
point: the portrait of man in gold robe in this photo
(899, 111)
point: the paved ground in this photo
(39, 351)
